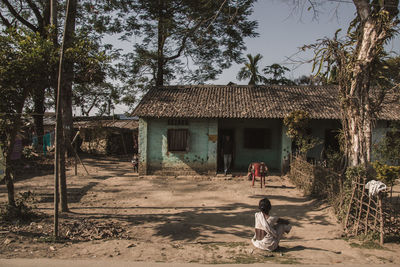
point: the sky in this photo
(283, 29)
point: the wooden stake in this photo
(366, 217)
(76, 161)
(76, 155)
(58, 131)
(381, 219)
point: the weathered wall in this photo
(244, 156)
(202, 147)
(142, 138)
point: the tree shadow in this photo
(75, 194)
(191, 223)
(301, 248)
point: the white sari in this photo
(274, 232)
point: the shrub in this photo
(385, 173)
(23, 210)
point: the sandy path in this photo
(207, 220)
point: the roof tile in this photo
(243, 101)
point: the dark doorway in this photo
(220, 159)
(332, 140)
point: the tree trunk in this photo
(66, 102)
(38, 100)
(359, 128)
(10, 146)
(9, 181)
(160, 44)
(68, 76)
(63, 177)
(357, 106)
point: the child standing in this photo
(268, 229)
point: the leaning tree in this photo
(356, 63)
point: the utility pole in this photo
(58, 132)
(53, 18)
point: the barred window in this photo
(178, 140)
(257, 138)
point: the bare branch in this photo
(36, 11)
(18, 16)
(5, 21)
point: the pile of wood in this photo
(88, 229)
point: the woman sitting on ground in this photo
(268, 229)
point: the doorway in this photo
(220, 158)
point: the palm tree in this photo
(250, 70)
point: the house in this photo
(115, 135)
(181, 127)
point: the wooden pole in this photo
(76, 160)
(58, 131)
(381, 219)
(76, 154)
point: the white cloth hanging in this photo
(374, 187)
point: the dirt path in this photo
(207, 220)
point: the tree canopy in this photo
(188, 41)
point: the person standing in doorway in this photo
(227, 152)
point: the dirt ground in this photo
(177, 219)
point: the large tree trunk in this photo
(66, 102)
(63, 176)
(9, 149)
(358, 114)
(68, 76)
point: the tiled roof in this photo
(242, 101)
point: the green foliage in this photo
(190, 41)
(388, 148)
(23, 210)
(297, 123)
(250, 70)
(24, 59)
(385, 173)
(277, 75)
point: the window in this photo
(257, 138)
(178, 140)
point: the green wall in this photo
(200, 158)
(203, 136)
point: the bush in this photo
(385, 173)
(23, 210)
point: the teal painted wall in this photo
(201, 156)
(244, 156)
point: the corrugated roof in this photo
(241, 101)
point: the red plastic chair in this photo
(258, 169)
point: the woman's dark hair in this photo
(264, 205)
